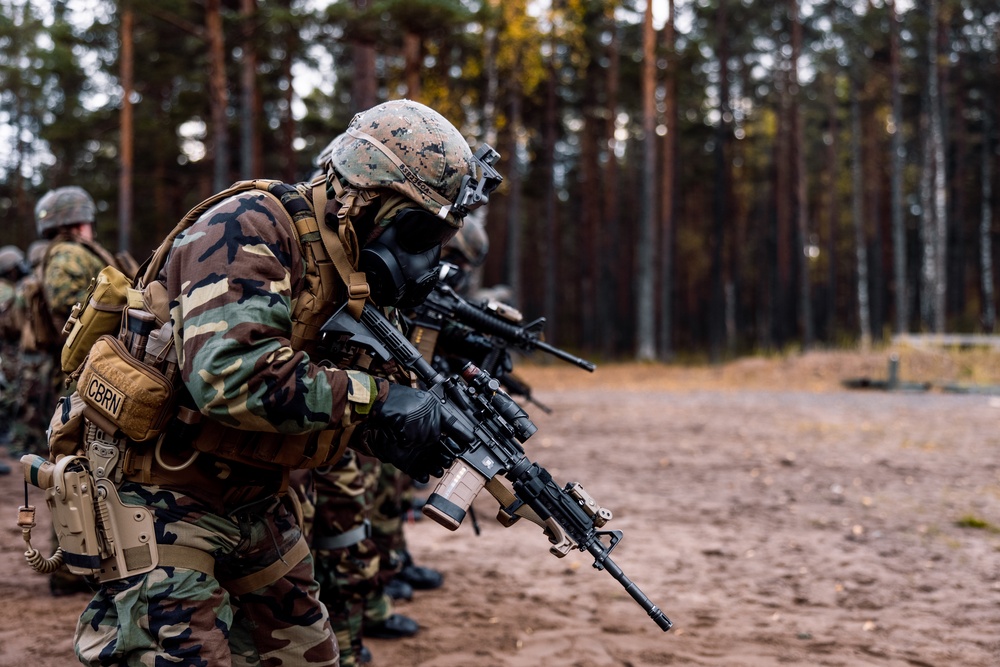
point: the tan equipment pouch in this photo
(124, 396)
(101, 314)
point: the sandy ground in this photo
(777, 519)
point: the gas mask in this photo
(401, 265)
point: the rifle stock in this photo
(482, 430)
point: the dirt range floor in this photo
(777, 518)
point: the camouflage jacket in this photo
(69, 268)
(233, 278)
(10, 328)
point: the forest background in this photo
(684, 178)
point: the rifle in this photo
(483, 429)
(444, 305)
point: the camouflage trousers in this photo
(347, 559)
(10, 374)
(178, 616)
(39, 383)
(393, 500)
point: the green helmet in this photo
(471, 242)
(71, 205)
(11, 257)
(36, 252)
(410, 148)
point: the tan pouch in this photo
(66, 427)
(119, 391)
(100, 315)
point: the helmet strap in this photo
(342, 246)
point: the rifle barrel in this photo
(565, 356)
(484, 321)
(599, 551)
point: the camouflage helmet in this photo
(409, 148)
(36, 252)
(471, 242)
(11, 257)
(61, 207)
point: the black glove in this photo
(404, 430)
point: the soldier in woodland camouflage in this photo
(64, 219)
(390, 190)
(11, 268)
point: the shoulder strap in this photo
(93, 247)
(100, 251)
(334, 243)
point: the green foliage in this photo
(976, 523)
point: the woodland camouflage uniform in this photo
(66, 270)
(234, 278)
(32, 401)
(347, 559)
(66, 274)
(11, 261)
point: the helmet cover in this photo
(61, 207)
(407, 147)
(10, 258)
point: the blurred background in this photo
(685, 179)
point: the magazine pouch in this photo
(100, 314)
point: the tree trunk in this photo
(513, 268)
(126, 131)
(551, 263)
(720, 203)
(601, 260)
(896, 164)
(668, 206)
(989, 315)
(782, 213)
(249, 137)
(645, 277)
(799, 176)
(288, 125)
(364, 85)
(935, 214)
(833, 213)
(857, 213)
(219, 96)
(412, 57)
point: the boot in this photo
(396, 626)
(418, 577)
(398, 589)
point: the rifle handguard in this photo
(450, 501)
